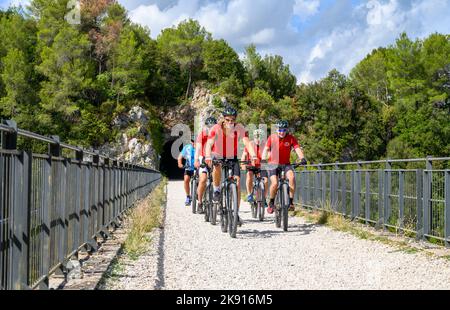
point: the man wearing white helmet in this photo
(258, 146)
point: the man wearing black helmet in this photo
(279, 146)
(202, 138)
(223, 143)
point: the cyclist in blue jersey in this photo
(188, 154)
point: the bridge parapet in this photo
(52, 206)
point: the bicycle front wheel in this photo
(223, 208)
(233, 213)
(207, 202)
(285, 206)
(213, 213)
(194, 195)
(278, 209)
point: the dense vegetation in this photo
(72, 80)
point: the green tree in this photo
(281, 82)
(371, 75)
(221, 61)
(185, 45)
(128, 76)
(67, 72)
(16, 79)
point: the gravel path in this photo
(197, 255)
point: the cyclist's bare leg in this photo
(249, 182)
(266, 187)
(291, 177)
(187, 183)
(238, 182)
(201, 186)
(273, 186)
(217, 175)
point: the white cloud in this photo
(306, 8)
(20, 2)
(264, 36)
(346, 45)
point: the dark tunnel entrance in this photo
(168, 164)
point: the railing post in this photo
(96, 203)
(380, 222)
(324, 186)
(106, 193)
(447, 208)
(401, 199)
(344, 193)
(46, 219)
(419, 203)
(427, 195)
(9, 139)
(54, 150)
(336, 187)
(357, 192)
(20, 221)
(387, 192)
(78, 201)
(317, 185)
(368, 191)
(332, 188)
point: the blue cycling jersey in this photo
(188, 153)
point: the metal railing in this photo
(51, 207)
(409, 196)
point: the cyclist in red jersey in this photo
(258, 145)
(202, 138)
(279, 147)
(223, 138)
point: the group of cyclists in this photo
(216, 146)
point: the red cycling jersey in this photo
(258, 149)
(226, 146)
(280, 149)
(202, 138)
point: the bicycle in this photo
(208, 207)
(282, 201)
(257, 206)
(228, 203)
(194, 185)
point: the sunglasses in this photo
(282, 130)
(230, 120)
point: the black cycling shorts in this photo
(189, 172)
(273, 172)
(236, 171)
(263, 173)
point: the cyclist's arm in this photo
(198, 150)
(299, 153)
(246, 141)
(180, 160)
(244, 158)
(266, 150)
(208, 148)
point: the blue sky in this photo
(313, 36)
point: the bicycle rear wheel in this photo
(260, 202)
(285, 206)
(253, 205)
(233, 213)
